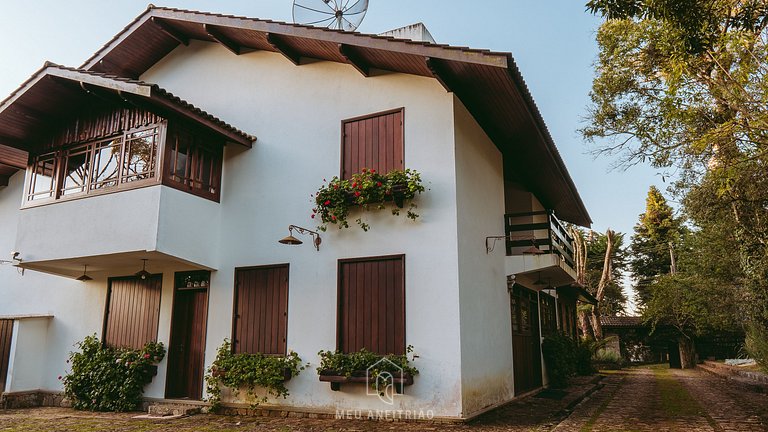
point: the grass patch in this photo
(676, 401)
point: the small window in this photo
(139, 155)
(76, 170)
(261, 310)
(42, 178)
(373, 142)
(132, 311)
(372, 305)
(106, 163)
(548, 314)
(193, 165)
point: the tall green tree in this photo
(683, 84)
(657, 235)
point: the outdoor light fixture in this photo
(291, 240)
(85, 277)
(143, 274)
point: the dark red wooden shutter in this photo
(133, 311)
(261, 310)
(6, 330)
(374, 142)
(372, 305)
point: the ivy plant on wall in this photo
(249, 371)
(369, 190)
(110, 379)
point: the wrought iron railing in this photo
(538, 232)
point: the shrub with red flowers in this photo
(110, 379)
(367, 189)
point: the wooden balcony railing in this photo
(538, 232)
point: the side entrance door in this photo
(526, 345)
(186, 353)
(6, 329)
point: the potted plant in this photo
(337, 367)
(368, 190)
(250, 371)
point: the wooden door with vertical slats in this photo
(261, 310)
(526, 342)
(186, 352)
(373, 142)
(132, 311)
(6, 330)
(372, 305)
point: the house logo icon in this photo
(381, 379)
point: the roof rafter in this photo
(355, 59)
(170, 31)
(219, 37)
(278, 43)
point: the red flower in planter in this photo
(354, 184)
(373, 171)
(146, 356)
(357, 194)
(378, 184)
(333, 217)
(313, 216)
(328, 202)
(364, 170)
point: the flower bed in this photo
(369, 190)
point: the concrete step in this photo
(172, 409)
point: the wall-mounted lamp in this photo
(85, 277)
(291, 240)
(143, 274)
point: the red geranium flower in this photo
(364, 169)
(313, 216)
(333, 217)
(146, 356)
(357, 194)
(378, 184)
(373, 171)
(328, 202)
(354, 184)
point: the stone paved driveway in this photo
(639, 399)
(661, 399)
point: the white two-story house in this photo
(191, 141)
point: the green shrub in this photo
(608, 359)
(250, 371)
(585, 350)
(110, 379)
(560, 357)
(756, 344)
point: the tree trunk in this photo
(687, 353)
(586, 327)
(605, 279)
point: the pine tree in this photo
(657, 235)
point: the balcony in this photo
(539, 250)
(117, 230)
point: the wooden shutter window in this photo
(6, 330)
(261, 310)
(372, 305)
(133, 311)
(373, 142)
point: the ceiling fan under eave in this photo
(343, 15)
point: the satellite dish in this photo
(333, 14)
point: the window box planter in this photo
(397, 197)
(218, 373)
(359, 377)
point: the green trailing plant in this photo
(110, 379)
(361, 362)
(369, 190)
(249, 371)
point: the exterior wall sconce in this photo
(85, 277)
(291, 240)
(143, 274)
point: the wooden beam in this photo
(228, 43)
(278, 43)
(13, 142)
(354, 59)
(170, 31)
(105, 94)
(440, 73)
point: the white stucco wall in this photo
(296, 113)
(486, 338)
(457, 306)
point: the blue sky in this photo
(552, 41)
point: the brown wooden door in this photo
(261, 310)
(526, 345)
(186, 353)
(6, 329)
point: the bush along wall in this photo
(560, 356)
(110, 379)
(249, 371)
